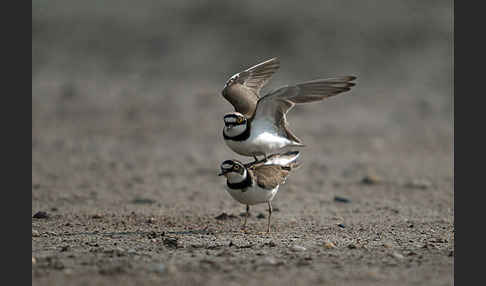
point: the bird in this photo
(252, 184)
(258, 126)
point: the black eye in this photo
(237, 167)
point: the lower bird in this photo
(258, 183)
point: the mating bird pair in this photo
(258, 127)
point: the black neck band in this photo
(243, 136)
(241, 185)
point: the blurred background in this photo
(138, 82)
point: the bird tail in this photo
(289, 160)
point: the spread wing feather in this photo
(242, 90)
(257, 76)
(277, 103)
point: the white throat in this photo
(235, 130)
(234, 178)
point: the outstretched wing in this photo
(257, 76)
(242, 90)
(277, 103)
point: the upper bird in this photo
(259, 124)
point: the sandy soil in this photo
(130, 189)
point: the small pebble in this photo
(170, 242)
(40, 214)
(370, 180)
(418, 184)
(329, 245)
(260, 216)
(34, 261)
(35, 233)
(96, 216)
(397, 255)
(341, 199)
(352, 246)
(298, 248)
(341, 225)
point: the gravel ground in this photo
(131, 195)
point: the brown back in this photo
(269, 176)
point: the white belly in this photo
(263, 139)
(252, 195)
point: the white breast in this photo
(234, 131)
(252, 195)
(263, 139)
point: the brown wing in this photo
(242, 90)
(314, 90)
(257, 76)
(270, 176)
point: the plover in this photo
(253, 184)
(263, 129)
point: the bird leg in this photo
(269, 215)
(246, 216)
(255, 157)
(256, 160)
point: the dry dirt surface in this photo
(127, 143)
(132, 197)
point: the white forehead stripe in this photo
(230, 119)
(227, 166)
